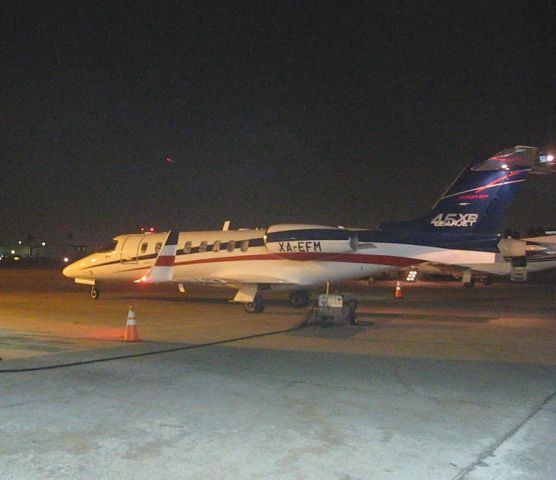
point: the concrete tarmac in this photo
(446, 383)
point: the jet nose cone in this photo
(68, 271)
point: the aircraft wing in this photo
(247, 285)
(545, 239)
(237, 279)
(539, 253)
(435, 268)
(501, 268)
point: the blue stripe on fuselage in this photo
(308, 234)
(449, 240)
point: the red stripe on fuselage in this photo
(307, 256)
(314, 256)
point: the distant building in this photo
(42, 251)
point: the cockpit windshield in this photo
(109, 247)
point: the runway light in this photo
(12, 252)
(43, 244)
(19, 242)
(66, 259)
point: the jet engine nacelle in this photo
(516, 251)
(300, 241)
(512, 248)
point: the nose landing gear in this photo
(95, 293)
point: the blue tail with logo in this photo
(478, 198)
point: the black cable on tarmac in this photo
(156, 352)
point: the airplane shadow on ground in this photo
(200, 300)
(424, 317)
(204, 300)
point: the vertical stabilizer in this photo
(476, 201)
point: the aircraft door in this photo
(130, 249)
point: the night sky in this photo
(344, 113)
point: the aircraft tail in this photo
(478, 198)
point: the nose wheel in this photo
(95, 293)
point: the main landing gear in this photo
(256, 306)
(254, 303)
(300, 298)
(470, 283)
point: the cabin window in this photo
(144, 247)
(231, 245)
(216, 246)
(157, 247)
(244, 245)
(203, 246)
(187, 247)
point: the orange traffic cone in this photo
(131, 327)
(398, 293)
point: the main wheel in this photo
(256, 306)
(470, 284)
(95, 293)
(352, 304)
(300, 298)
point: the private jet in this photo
(461, 230)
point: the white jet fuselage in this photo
(238, 257)
(459, 230)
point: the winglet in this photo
(163, 268)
